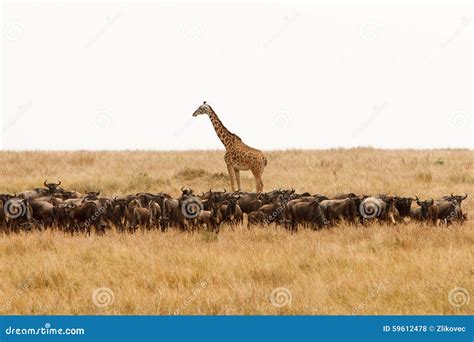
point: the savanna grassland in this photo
(379, 269)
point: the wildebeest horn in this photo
(45, 182)
(226, 190)
(182, 188)
(59, 182)
(465, 196)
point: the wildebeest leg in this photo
(237, 177)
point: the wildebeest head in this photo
(403, 205)
(213, 196)
(457, 198)
(5, 197)
(264, 197)
(186, 192)
(424, 205)
(92, 195)
(231, 207)
(52, 187)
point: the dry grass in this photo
(408, 269)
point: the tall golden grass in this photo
(380, 269)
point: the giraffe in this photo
(238, 156)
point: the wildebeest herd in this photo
(53, 207)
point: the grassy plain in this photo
(406, 269)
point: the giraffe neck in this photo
(223, 133)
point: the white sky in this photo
(130, 75)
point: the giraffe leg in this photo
(237, 177)
(230, 168)
(258, 180)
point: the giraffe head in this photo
(203, 109)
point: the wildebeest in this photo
(249, 202)
(83, 216)
(403, 205)
(70, 211)
(341, 209)
(17, 214)
(211, 219)
(307, 213)
(426, 211)
(231, 211)
(380, 207)
(43, 212)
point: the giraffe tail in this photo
(265, 161)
